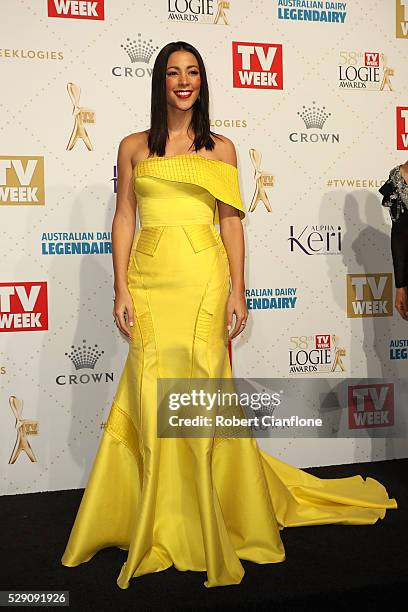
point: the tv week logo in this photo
(257, 65)
(372, 59)
(22, 180)
(371, 406)
(76, 9)
(402, 128)
(23, 306)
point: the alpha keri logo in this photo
(23, 307)
(22, 180)
(76, 9)
(257, 65)
(369, 295)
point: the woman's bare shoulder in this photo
(224, 150)
(135, 146)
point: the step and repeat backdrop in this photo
(314, 96)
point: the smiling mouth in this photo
(184, 94)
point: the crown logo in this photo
(83, 356)
(314, 117)
(139, 50)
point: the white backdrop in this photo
(322, 128)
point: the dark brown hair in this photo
(200, 122)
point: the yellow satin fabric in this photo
(197, 504)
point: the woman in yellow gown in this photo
(200, 503)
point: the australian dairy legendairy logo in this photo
(315, 239)
(139, 53)
(84, 357)
(271, 298)
(364, 70)
(399, 349)
(76, 243)
(317, 353)
(314, 119)
(312, 10)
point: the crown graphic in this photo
(84, 356)
(139, 50)
(313, 116)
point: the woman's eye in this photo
(194, 72)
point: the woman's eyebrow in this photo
(191, 66)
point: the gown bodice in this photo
(184, 189)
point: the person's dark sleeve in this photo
(399, 249)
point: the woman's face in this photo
(182, 75)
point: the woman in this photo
(196, 503)
(395, 197)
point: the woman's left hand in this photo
(236, 305)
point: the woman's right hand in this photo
(123, 311)
(401, 302)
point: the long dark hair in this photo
(200, 122)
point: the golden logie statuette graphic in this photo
(339, 352)
(81, 115)
(222, 6)
(262, 179)
(24, 428)
(387, 73)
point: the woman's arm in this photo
(232, 235)
(123, 229)
(399, 249)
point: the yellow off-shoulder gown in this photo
(225, 500)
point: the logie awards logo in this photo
(199, 11)
(365, 70)
(319, 353)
